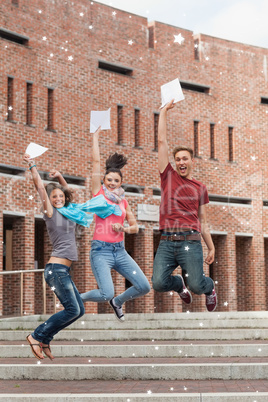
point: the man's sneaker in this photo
(185, 295)
(211, 301)
(117, 310)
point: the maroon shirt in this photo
(180, 201)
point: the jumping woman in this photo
(107, 247)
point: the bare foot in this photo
(35, 346)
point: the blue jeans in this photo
(189, 255)
(107, 256)
(58, 278)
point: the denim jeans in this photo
(58, 278)
(189, 255)
(107, 256)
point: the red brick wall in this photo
(237, 80)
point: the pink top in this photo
(103, 227)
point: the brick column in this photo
(1, 261)
(23, 259)
(257, 258)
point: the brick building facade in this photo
(59, 61)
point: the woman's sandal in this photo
(49, 355)
(32, 347)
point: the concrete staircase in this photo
(184, 354)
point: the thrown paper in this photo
(35, 150)
(171, 90)
(98, 119)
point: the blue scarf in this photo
(97, 205)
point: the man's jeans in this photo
(106, 256)
(189, 255)
(58, 278)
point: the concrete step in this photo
(147, 324)
(159, 397)
(143, 351)
(186, 371)
(150, 321)
(157, 334)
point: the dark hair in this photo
(115, 163)
(67, 192)
(183, 148)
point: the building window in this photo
(191, 86)
(156, 120)
(50, 109)
(115, 68)
(196, 138)
(212, 140)
(196, 50)
(14, 37)
(120, 124)
(137, 128)
(151, 38)
(231, 143)
(10, 97)
(15, 2)
(264, 100)
(29, 103)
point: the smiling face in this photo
(57, 198)
(112, 181)
(184, 164)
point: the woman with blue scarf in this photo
(61, 217)
(107, 248)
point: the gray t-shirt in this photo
(61, 232)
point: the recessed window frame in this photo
(212, 140)
(115, 68)
(50, 109)
(231, 143)
(137, 127)
(14, 37)
(120, 117)
(196, 138)
(156, 123)
(29, 103)
(195, 87)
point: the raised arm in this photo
(55, 174)
(39, 185)
(162, 137)
(96, 171)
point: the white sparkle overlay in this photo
(130, 42)
(179, 39)
(186, 248)
(53, 288)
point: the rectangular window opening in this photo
(151, 38)
(156, 120)
(196, 50)
(10, 98)
(115, 68)
(12, 170)
(196, 138)
(212, 141)
(231, 143)
(29, 103)
(119, 124)
(50, 109)
(189, 86)
(14, 37)
(230, 200)
(133, 188)
(137, 128)
(157, 191)
(264, 100)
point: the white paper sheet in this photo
(98, 119)
(35, 150)
(171, 90)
